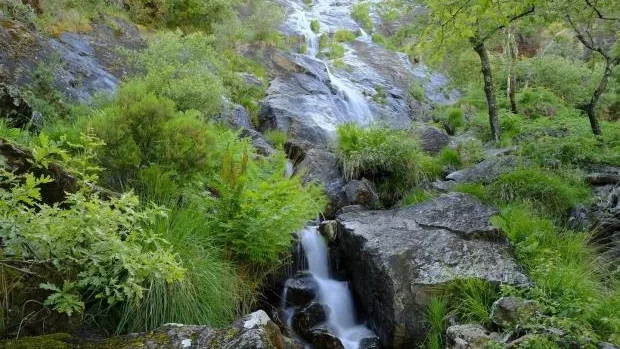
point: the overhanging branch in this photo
(526, 12)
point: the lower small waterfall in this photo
(331, 294)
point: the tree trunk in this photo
(591, 107)
(489, 90)
(510, 51)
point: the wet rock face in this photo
(362, 192)
(321, 166)
(87, 63)
(301, 290)
(322, 339)
(395, 258)
(307, 318)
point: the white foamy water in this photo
(332, 293)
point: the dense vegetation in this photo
(195, 217)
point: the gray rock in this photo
(433, 139)
(509, 311)
(488, 170)
(307, 318)
(321, 167)
(489, 153)
(329, 230)
(470, 336)
(396, 258)
(351, 209)
(370, 343)
(301, 290)
(296, 150)
(255, 331)
(603, 178)
(606, 345)
(235, 116)
(362, 192)
(321, 338)
(259, 142)
(16, 109)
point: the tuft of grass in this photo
(474, 189)
(416, 196)
(315, 26)
(344, 35)
(471, 299)
(361, 13)
(277, 138)
(436, 314)
(336, 51)
(391, 158)
(553, 194)
(449, 159)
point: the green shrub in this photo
(336, 50)
(379, 39)
(449, 159)
(258, 208)
(417, 91)
(315, 25)
(391, 158)
(538, 102)
(474, 189)
(344, 35)
(555, 194)
(276, 138)
(361, 13)
(17, 11)
(117, 250)
(451, 119)
(416, 196)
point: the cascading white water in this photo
(352, 105)
(332, 293)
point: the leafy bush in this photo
(555, 194)
(117, 253)
(258, 208)
(391, 158)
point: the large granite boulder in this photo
(396, 258)
(255, 331)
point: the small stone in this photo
(509, 311)
(370, 343)
(469, 336)
(363, 192)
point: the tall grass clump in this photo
(436, 315)
(470, 299)
(391, 158)
(209, 293)
(552, 193)
(576, 289)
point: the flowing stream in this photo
(333, 294)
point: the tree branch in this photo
(510, 20)
(598, 13)
(456, 13)
(588, 44)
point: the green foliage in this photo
(336, 50)
(471, 299)
(64, 300)
(417, 91)
(277, 138)
(361, 13)
(449, 159)
(555, 194)
(474, 189)
(416, 196)
(258, 208)
(42, 94)
(571, 283)
(344, 35)
(452, 119)
(17, 11)
(436, 314)
(117, 252)
(315, 25)
(207, 295)
(392, 159)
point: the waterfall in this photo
(332, 293)
(351, 103)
